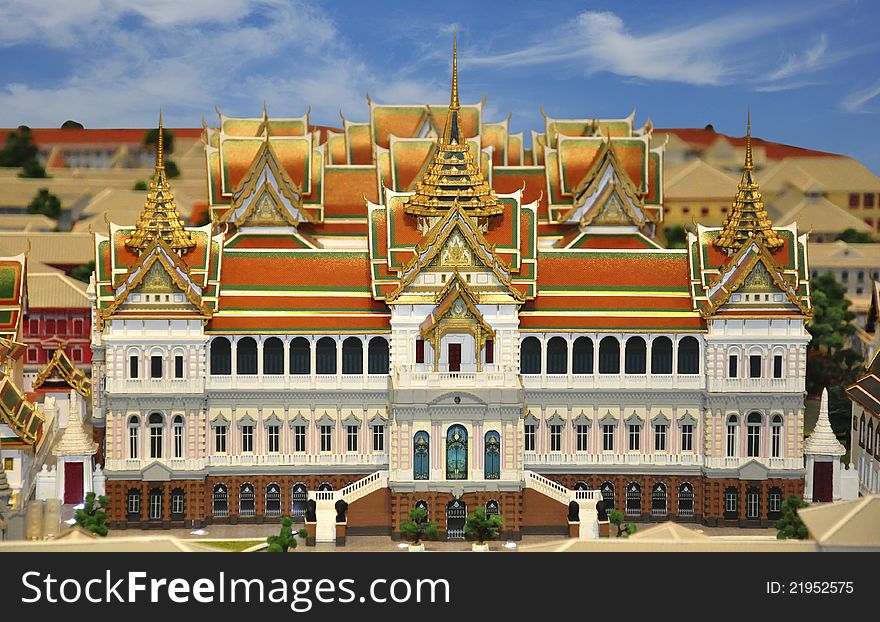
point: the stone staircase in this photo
(325, 502)
(586, 500)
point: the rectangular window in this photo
(582, 435)
(420, 350)
(854, 199)
(530, 437)
(775, 502)
(687, 437)
(274, 439)
(635, 437)
(50, 327)
(378, 438)
(8, 464)
(32, 355)
(660, 437)
(608, 437)
(62, 327)
(868, 200)
(134, 504)
(755, 366)
(155, 367)
(76, 354)
(156, 441)
(178, 366)
(351, 438)
(133, 442)
(33, 327)
(490, 351)
(733, 366)
(178, 441)
(753, 438)
(220, 439)
(299, 438)
(775, 441)
(555, 438)
(155, 507)
(730, 502)
(78, 327)
(247, 438)
(326, 438)
(177, 503)
(133, 366)
(777, 366)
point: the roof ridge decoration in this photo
(61, 364)
(433, 242)
(18, 413)
(160, 218)
(747, 218)
(822, 441)
(452, 174)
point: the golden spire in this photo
(747, 219)
(452, 174)
(160, 218)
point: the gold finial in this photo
(453, 103)
(265, 122)
(748, 164)
(160, 146)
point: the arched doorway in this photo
(456, 513)
(273, 500)
(299, 500)
(456, 453)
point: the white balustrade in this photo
(544, 459)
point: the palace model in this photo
(421, 311)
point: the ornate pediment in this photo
(156, 281)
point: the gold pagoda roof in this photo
(747, 219)
(160, 218)
(452, 175)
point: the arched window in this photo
(273, 356)
(557, 356)
(661, 355)
(377, 356)
(273, 500)
(155, 504)
(633, 499)
(325, 486)
(221, 357)
(492, 508)
(300, 357)
(635, 356)
(877, 441)
(456, 453)
(299, 499)
(220, 501)
(870, 437)
(582, 356)
(157, 434)
(862, 430)
(246, 505)
(421, 503)
(732, 425)
(658, 499)
(530, 356)
(134, 441)
(133, 502)
(325, 356)
(753, 435)
(352, 356)
(607, 490)
(776, 436)
(493, 455)
(178, 498)
(456, 514)
(688, 355)
(580, 485)
(177, 433)
(686, 500)
(246, 357)
(731, 503)
(774, 503)
(609, 356)
(421, 445)
(753, 503)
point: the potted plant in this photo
(481, 528)
(624, 529)
(286, 539)
(417, 528)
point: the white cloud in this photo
(856, 101)
(810, 60)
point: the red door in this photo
(823, 485)
(454, 357)
(73, 482)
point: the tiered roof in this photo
(866, 390)
(60, 367)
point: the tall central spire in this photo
(160, 218)
(453, 176)
(747, 219)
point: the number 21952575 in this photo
(810, 587)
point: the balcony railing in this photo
(155, 385)
(771, 463)
(613, 381)
(756, 385)
(273, 382)
(536, 460)
(489, 378)
(249, 460)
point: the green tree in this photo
(93, 516)
(45, 203)
(140, 185)
(151, 138)
(676, 236)
(286, 538)
(831, 362)
(851, 236)
(33, 169)
(624, 529)
(84, 272)
(418, 526)
(70, 124)
(790, 526)
(171, 169)
(482, 527)
(19, 147)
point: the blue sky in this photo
(810, 70)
